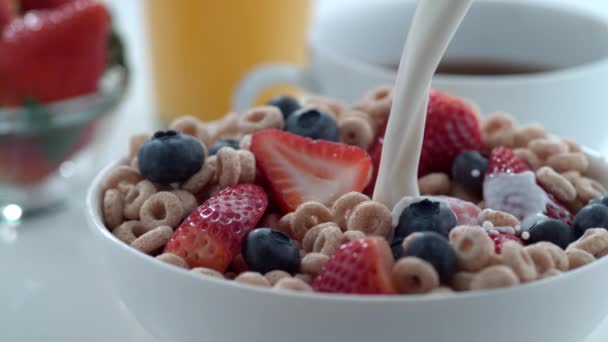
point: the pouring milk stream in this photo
(434, 25)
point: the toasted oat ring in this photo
(541, 257)
(285, 224)
(573, 146)
(135, 143)
(559, 259)
(328, 240)
(461, 281)
(121, 174)
(498, 129)
(128, 231)
(187, 199)
(571, 161)
(312, 262)
(332, 107)
(207, 272)
(259, 118)
(342, 207)
(529, 132)
(273, 277)
(153, 239)
(247, 162)
(197, 182)
(435, 184)
(245, 142)
(586, 189)
(173, 259)
(356, 131)
(186, 125)
(372, 218)
(307, 278)
(498, 218)
(412, 275)
(515, 256)
(293, 284)
(441, 290)
(578, 257)
(228, 167)
(556, 184)
(494, 277)
(252, 278)
(228, 125)
(352, 235)
(594, 241)
(161, 209)
(545, 148)
(136, 197)
(550, 273)
(377, 103)
(113, 205)
(308, 215)
(529, 157)
(473, 249)
(203, 135)
(311, 235)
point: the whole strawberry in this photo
(213, 233)
(8, 8)
(451, 128)
(54, 54)
(359, 267)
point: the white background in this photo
(49, 290)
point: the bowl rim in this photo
(96, 224)
(68, 112)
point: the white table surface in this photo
(49, 290)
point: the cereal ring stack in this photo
(280, 196)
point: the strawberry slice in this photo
(54, 54)
(300, 169)
(360, 267)
(501, 237)
(212, 235)
(451, 128)
(28, 5)
(521, 195)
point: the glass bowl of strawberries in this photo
(61, 71)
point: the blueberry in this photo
(468, 171)
(266, 250)
(314, 124)
(426, 215)
(591, 216)
(235, 144)
(600, 200)
(285, 103)
(170, 157)
(436, 250)
(551, 230)
(397, 248)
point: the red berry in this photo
(28, 5)
(54, 54)
(300, 169)
(8, 9)
(503, 160)
(360, 267)
(451, 128)
(465, 211)
(212, 235)
(501, 237)
(375, 152)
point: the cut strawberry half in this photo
(360, 267)
(299, 169)
(211, 236)
(521, 195)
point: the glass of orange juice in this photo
(202, 48)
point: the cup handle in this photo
(265, 76)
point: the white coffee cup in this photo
(352, 48)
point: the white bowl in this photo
(174, 305)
